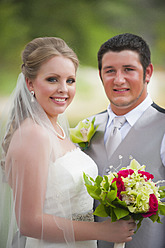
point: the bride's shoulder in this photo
(30, 127)
(30, 133)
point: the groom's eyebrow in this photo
(108, 67)
(133, 66)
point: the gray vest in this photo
(143, 142)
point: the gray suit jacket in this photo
(143, 142)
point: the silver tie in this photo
(114, 138)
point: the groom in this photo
(125, 70)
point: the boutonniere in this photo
(83, 133)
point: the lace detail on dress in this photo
(84, 217)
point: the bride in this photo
(49, 204)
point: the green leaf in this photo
(98, 180)
(158, 220)
(83, 144)
(114, 187)
(120, 213)
(128, 217)
(161, 208)
(111, 196)
(103, 196)
(86, 180)
(154, 217)
(113, 215)
(91, 132)
(162, 192)
(93, 120)
(93, 191)
(137, 216)
(119, 203)
(139, 224)
(162, 188)
(100, 211)
(106, 184)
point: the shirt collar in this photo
(134, 114)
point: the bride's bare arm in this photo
(30, 160)
(119, 231)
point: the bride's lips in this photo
(59, 100)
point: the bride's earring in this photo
(32, 97)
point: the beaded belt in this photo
(84, 217)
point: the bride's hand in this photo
(119, 231)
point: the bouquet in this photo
(83, 133)
(130, 192)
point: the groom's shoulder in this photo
(158, 108)
(100, 117)
(96, 115)
(103, 112)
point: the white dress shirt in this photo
(131, 118)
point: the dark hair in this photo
(126, 42)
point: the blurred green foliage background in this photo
(84, 25)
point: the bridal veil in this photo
(25, 107)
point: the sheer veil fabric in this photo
(26, 113)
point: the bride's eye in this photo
(52, 79)
(70, 81)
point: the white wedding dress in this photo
(74, 163)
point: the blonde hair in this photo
(42, 49)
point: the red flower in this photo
(147, 174)
(125, 173)
(153, 203)
(120, 186)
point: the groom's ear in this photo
(100, 75)
(148, 73)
